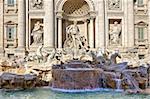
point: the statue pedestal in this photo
(20, 52)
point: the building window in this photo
(10, 33)
(140, 33)
(10, 56)
(10, 2)
(141, 56)
(140, 3)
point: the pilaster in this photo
(1, 27)
(21, 23)
(149, 22)
(100, 22)
(130, 23)
(49, 24)
(21, 27)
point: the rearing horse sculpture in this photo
(113, 57)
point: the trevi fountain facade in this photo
(111, 24)
(75, 45)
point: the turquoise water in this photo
(46, 93)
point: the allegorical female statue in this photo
(37, 33)
(115, 33)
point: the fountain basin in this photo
(72, 79)
(77, 75)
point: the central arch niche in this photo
(74, 10)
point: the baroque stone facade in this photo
(111, 24)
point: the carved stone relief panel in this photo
(114, 5)
(36, 4)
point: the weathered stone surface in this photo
(109, 78)
(88, 78)
(76, 79)
(142, 82)
(13, 81)
(76, 64)
(135, 81)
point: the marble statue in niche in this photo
(74, 41)
(37, 33)
(37, 4)
(73, 31)
(114, 4)
(115, 33)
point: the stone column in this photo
(86, 29)
(149, 22)
(100, 28)
(27, 26)
(49, 24)
(1, 27)
(59, 32)
(21, 23)
(125, 26)
(130, 23)
(91, 33)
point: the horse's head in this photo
(58, 54)
(100, 52)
